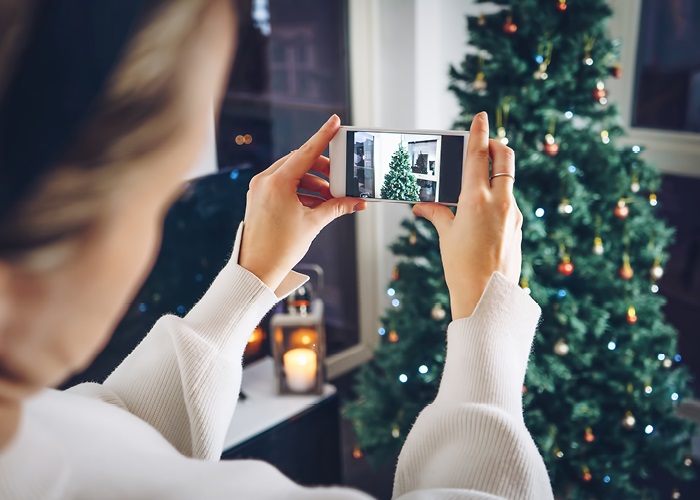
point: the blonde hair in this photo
(139, 111)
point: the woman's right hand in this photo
(484, 236)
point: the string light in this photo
(649, 429)
(654, 288)
(395, 302)
(674, 396)
(677, 358)
(403, 378)
(391, 292)
(381, 331)
(636, 149)
(661, 357)
(143, 307)
(569, 115)
(234, 174)
(612, 345)
(423, 369)
(648, 389)
(539, 212)
(606, 479)
(572, 168)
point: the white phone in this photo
(404, 166)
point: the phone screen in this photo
(404, 167)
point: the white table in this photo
(263, 408)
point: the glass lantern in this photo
(299, 342)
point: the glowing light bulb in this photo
(403, 378)
(423, 369)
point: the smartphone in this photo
(405, 166)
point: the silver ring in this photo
(501, 175)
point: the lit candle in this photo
(300, 369)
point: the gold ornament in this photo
(561, 348)
(675, 494)
(412, 238)
(653, 200)
(395, 432)
(479, 84)
(598, 247)
(588, 436)
(628, 422)
(635, 187)
(357, 453)
(438, 313)
(565, 207)
(656, 272)
(667, 363)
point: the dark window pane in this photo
(667, 85)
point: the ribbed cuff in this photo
(237, 297)
(487, 353)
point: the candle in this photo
(300, 369)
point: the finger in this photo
(336, 207)
(305, 157)
(275, 166)
(322, 166)
(476, 170)
(315, 184)
(503, 161)
(439, 215)
(310, 201)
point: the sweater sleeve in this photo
(471, 442)
(185, 376)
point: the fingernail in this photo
(484, 115)
(360, 205)
(332, 119)
(417, 211)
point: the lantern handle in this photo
(316, 270)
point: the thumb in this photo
(439, 215)
(330, 210)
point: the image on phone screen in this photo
(404, 167)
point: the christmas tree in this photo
(605, 378)
(399, 182)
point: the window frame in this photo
(673, 152)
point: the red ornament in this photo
(587, 477)
(599, 94)
(550, 146)
(395, 274)
(615, 70)
(565, 267)
(626, 271)
(621, 210)
(562, 6)
(510, 27)
(589, 437)
(524, 389)
(631, 315)
(393, 336)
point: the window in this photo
(668, 66)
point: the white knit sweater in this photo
(155, 428)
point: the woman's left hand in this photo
(280, 223)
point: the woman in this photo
(104, 108)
